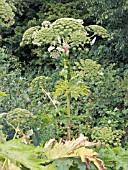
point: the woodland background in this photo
(25, 69)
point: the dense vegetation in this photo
(63, 77)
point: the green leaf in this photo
(3, 93)
(116, 156)
(76, 89)
(63, 164)
(22, 154)
(80, 165)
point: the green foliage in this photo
(7, 64)
(111, 15)
(88, 67)
(114, 119)
(3, 57)
(16, 87)
(98, 109)
(107, 103)
(114, 158)
(90, 111)
(16, 119)
(105, 85)
(6, 14)
(107, 135)
(40, 82)
(12, 83)
(76, 89)
(54, 11)
(19, 117)
(39, 99)
(21, 154)
(125, 87)
(44, 127)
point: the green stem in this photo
(16, 131)
(68, 78)
(68, 99)
(68, 114)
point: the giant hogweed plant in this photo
(65, 34)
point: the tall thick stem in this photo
(67, 66)
(68, 114)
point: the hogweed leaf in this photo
(72, 87)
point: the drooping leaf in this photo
(76, 148)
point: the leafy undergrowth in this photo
(63, 155)
(115, 158)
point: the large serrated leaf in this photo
(22, 154)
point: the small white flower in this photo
(101, 73)
(109, 121)
(51, 48)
